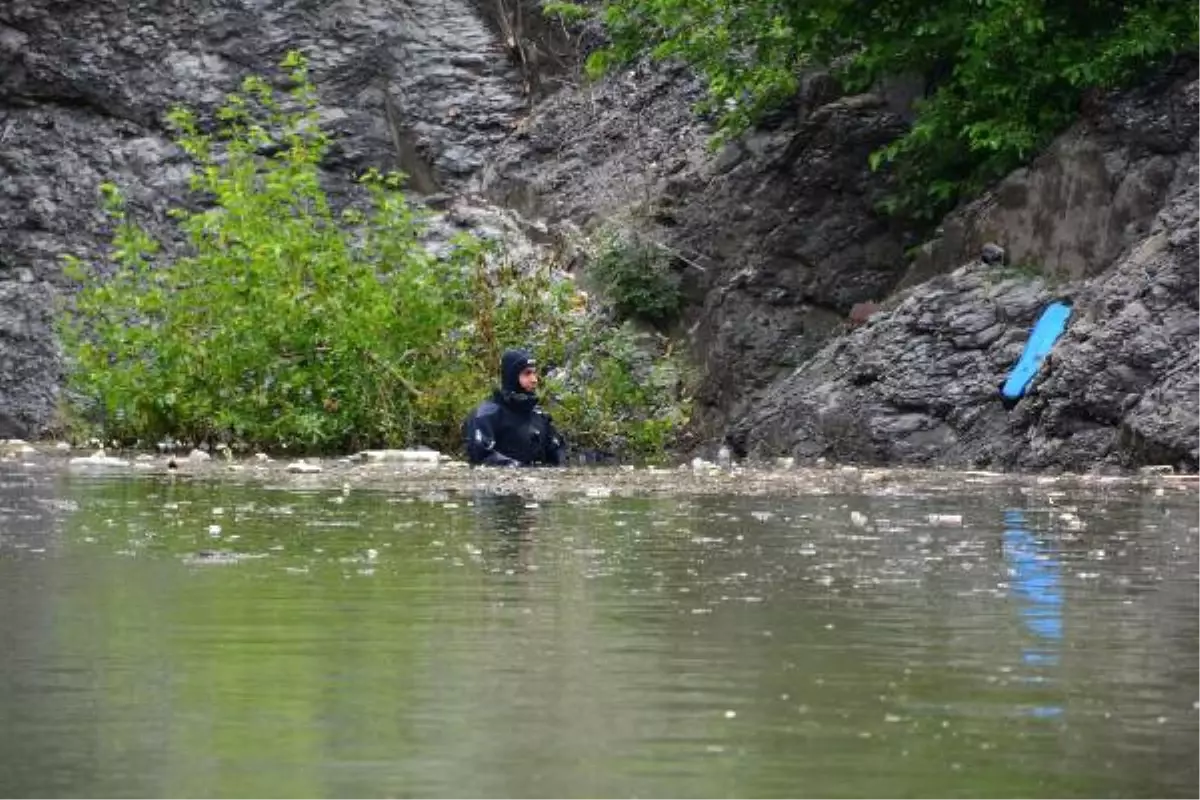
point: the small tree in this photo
(636, 277)
(283, 323)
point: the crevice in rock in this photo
(539, 46)
(76, 103)
(421, 175)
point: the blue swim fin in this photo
(1045, 333)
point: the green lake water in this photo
(189, 638)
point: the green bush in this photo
(1003, 76)
(284, 324)
(636, 277)
(621, 396)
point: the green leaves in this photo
(1003, 76)
(637, 279)
(567, 12)
(285, 324)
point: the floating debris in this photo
(17, 447)
(99, 459)
(410, 456)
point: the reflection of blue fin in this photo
(1039, 603)
(1038, 658)
(1044, 712)
(1045, 333)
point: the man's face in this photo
(528, 379)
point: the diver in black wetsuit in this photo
(508, 429)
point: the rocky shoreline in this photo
(783, 245)
(425, 471)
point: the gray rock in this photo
(30, 374)
(1094, 192)
(1120, 387)
(992, 254)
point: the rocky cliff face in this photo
(424, 87)
(1106, 218)
(777, 233)
(780, 242)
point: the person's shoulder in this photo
(488, 408)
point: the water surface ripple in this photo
(192, 638)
